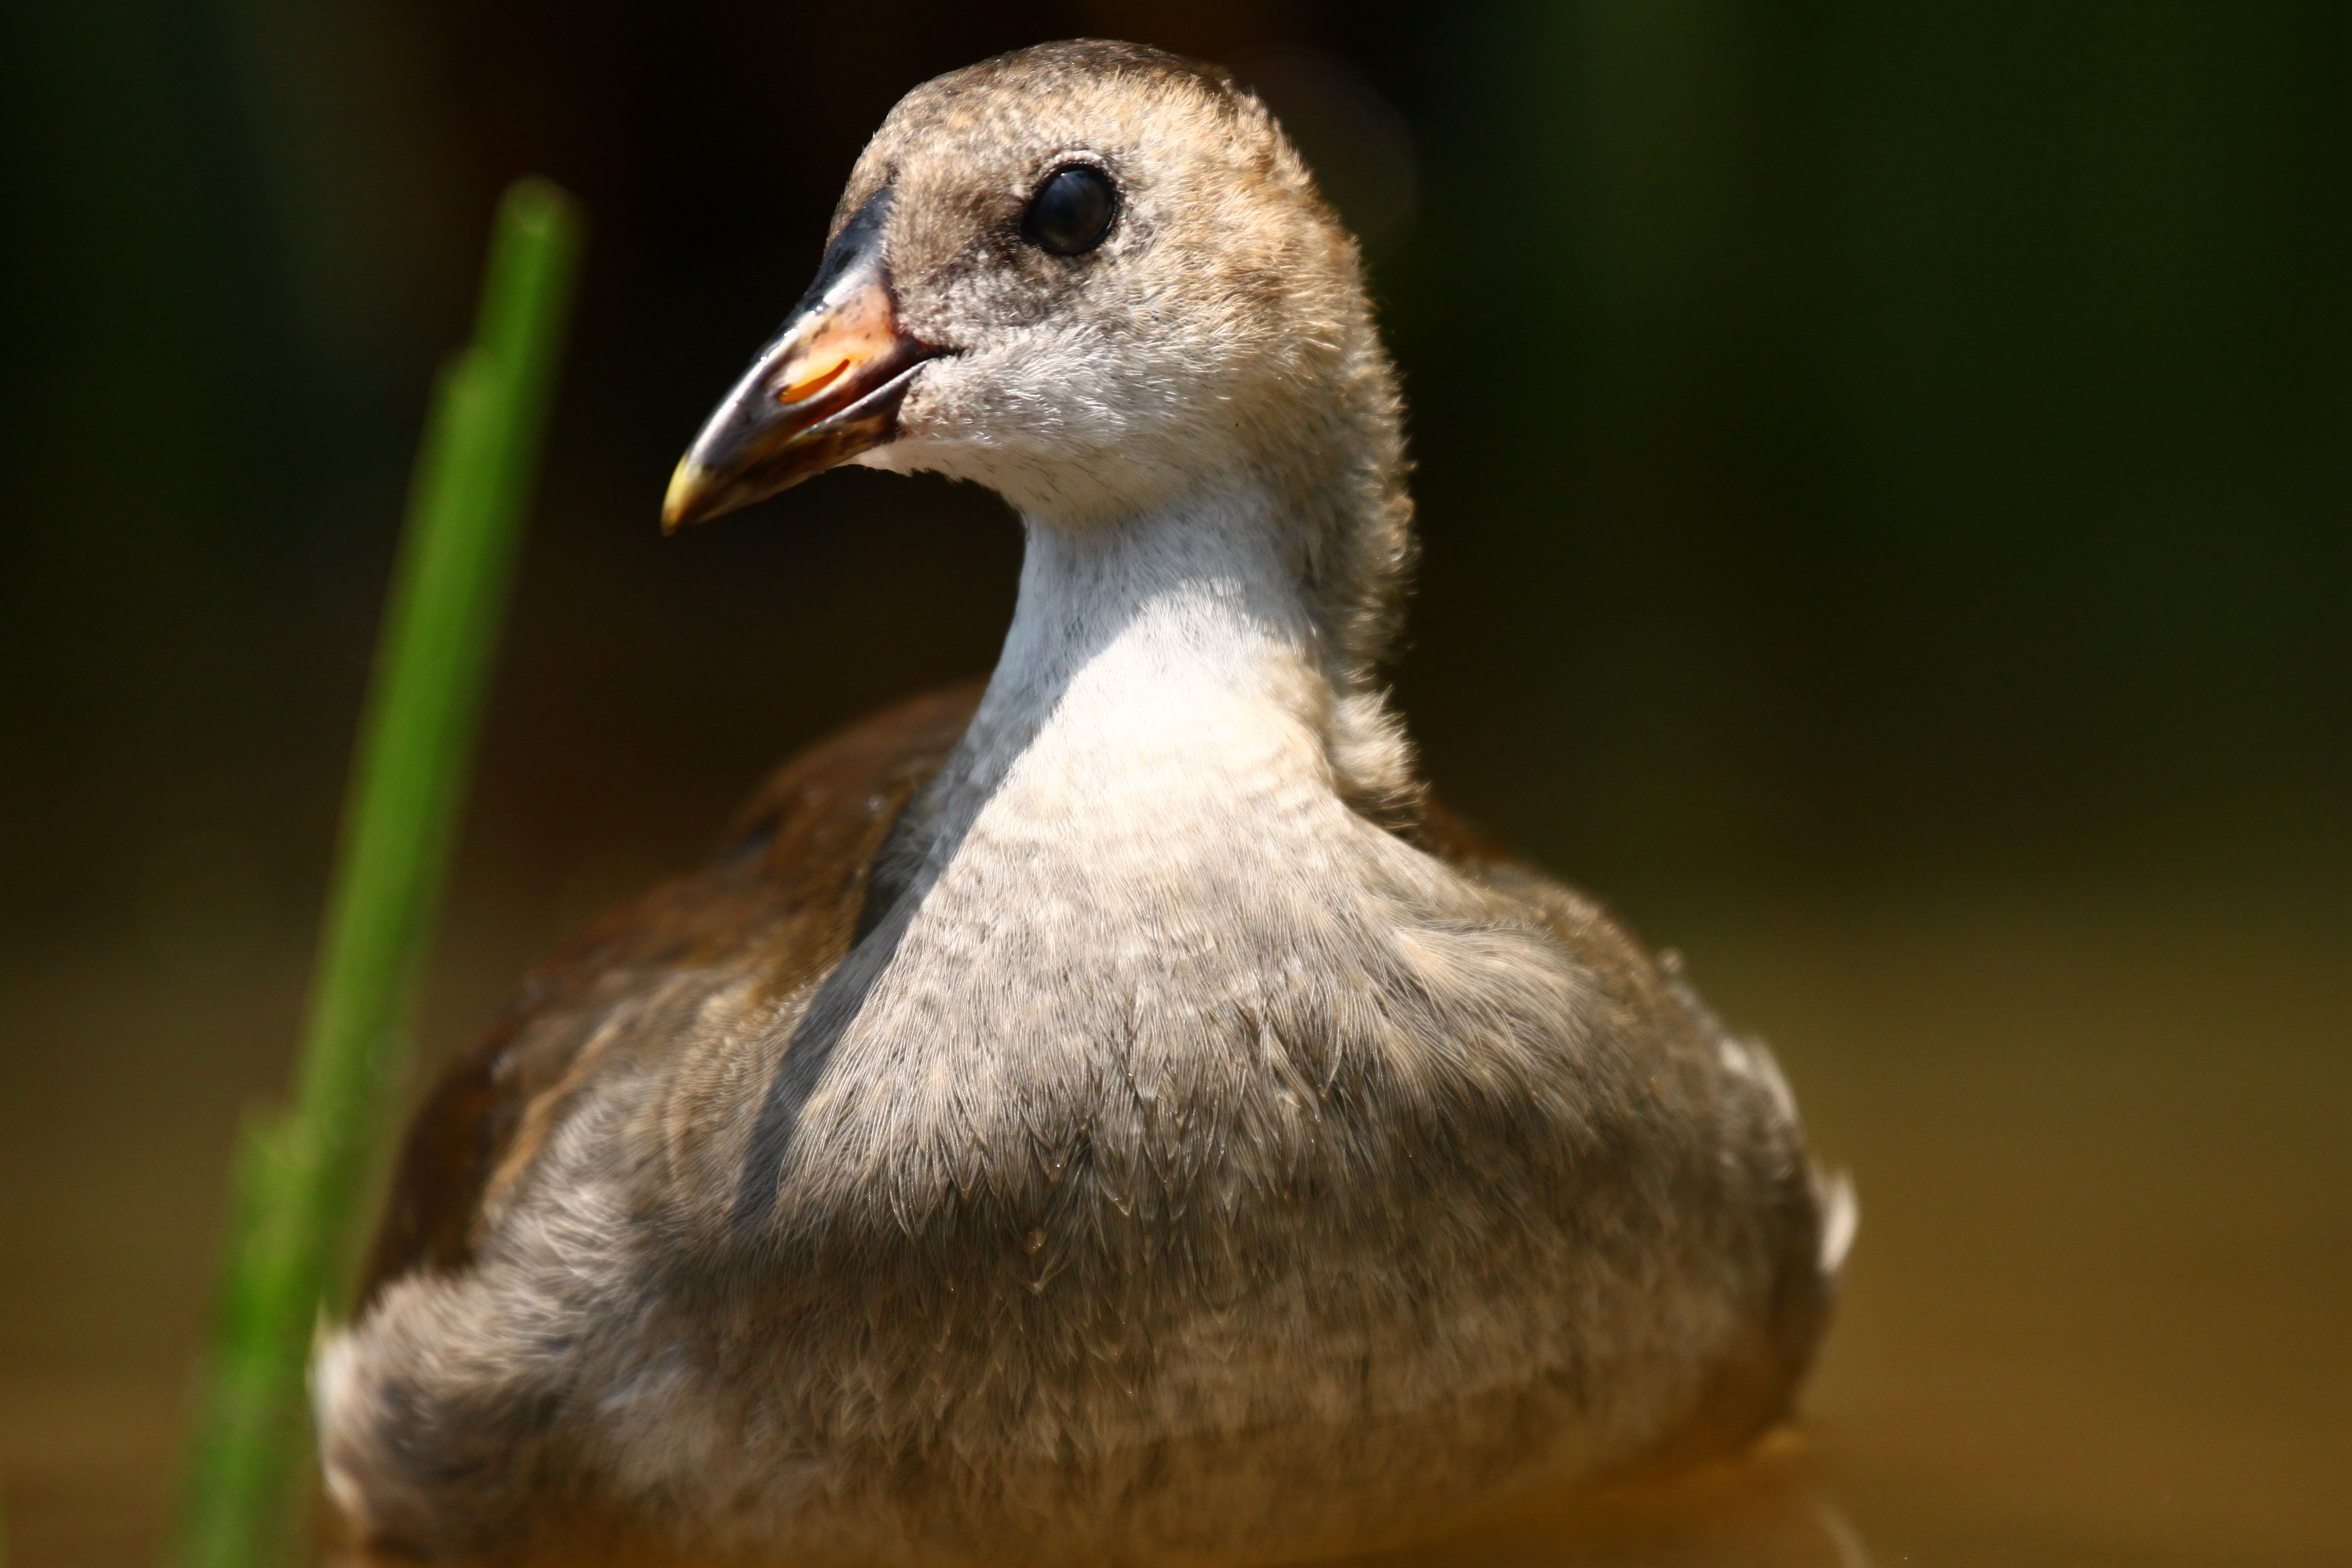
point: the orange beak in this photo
(828, 388)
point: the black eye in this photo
(1072, 210)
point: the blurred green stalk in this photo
(302, 1175)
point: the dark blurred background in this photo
(1884, 483)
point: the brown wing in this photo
(1756, 1388)
(782, 901)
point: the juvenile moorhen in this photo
(1114, 1116)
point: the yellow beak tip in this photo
(687, 486)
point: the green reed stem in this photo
(301, 1174)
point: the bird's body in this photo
(1120, 1122)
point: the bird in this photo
(1114, 1113)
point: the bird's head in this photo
(1086, 275)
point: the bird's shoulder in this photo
(778, 907)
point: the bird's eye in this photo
(1072, 210)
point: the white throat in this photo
(1167, 663)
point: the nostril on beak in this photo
(809, 387)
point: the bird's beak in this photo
(828, 388)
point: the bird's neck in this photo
(1170, 659)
